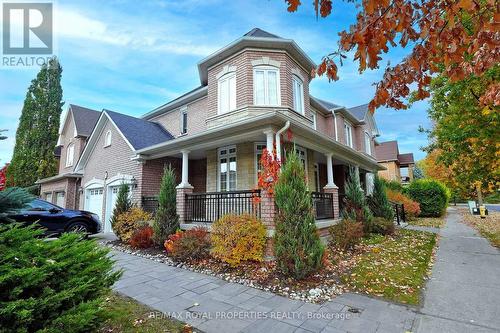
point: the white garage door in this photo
(93, 201)
(60, 199)
(110, 205)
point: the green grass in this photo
(393, 267)
(125, 315)
(436, 222)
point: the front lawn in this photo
(126, 315)
(393, 267)
(435, 222)
(488, 227)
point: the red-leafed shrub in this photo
(187, 245)
(412, 208)
(346, 234)
(142, 238)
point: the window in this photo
(348, 134)
(298, 94)
(107, 139)
(266, 86)
(303, 156)
(39, 205)
(184, 121)
(227, 168)
(70, 154)
(259, 149)
(316, 178)
(368, 143)
(227, 92)
(314, 119)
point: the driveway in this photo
(463, 294)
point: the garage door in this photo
(93, 201)
(110, 203)
(60, 199)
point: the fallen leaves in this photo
(488, 227)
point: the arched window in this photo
(70, 155)
(107, 139)
(227, 92)
(266, 86)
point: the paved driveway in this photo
(463, 294)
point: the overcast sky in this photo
(132, 56)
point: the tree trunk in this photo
(479, 194)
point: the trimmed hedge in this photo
(432, 196)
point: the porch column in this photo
(331, 187)
(369, 181)
(269, 140)
(183, 188)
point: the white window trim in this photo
(278, 84)
(108, 138)
(228, 155)
(69, 161)
(304, 150)
(314, 118)
(301, 82)
(256, 164)
(349, 142)
(226, 76)
(183, 111)
(368, 147)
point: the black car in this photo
(57, 220)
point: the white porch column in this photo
(369, 181)
(185, 170)
(329, 171)
(269, 140)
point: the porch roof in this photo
(240, 130)
(59, 177)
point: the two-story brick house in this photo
(251, 92)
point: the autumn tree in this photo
(466, 134)
(38, 129)
(457, 38)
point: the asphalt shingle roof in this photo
(325, 104)
(359, 112)
(139, 132)
(256, 32)
(387, 151)
(406, 158)
(85, 119)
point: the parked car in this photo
(57, 220)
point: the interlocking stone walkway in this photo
(213, 305)
(463, 294)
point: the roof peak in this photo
(257, 32)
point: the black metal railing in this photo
(323, 205)
(209, 207)
(150, 204)
(399, 212)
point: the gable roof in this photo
(359, 112)
(387, 151)
(325, 104)
(406, 158)
(84, 118)
(139, 133)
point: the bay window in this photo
(227, 92)
(298, 94)
(266, 86)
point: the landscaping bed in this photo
(434, 222)
(127, 315)
(394, 267)
(488, 227)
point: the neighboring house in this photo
(76, 127)
(251, 92)
(398, 167)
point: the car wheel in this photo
(80, 227)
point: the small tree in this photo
(166, 220)
(355, 207)
(297, 246)
(378, 202)
(123, 203)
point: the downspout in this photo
(278, 139)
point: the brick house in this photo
(398, 167)
(251, 92)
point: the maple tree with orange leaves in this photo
(457, 38)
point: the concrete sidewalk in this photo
(213, 305)
(463, 294)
